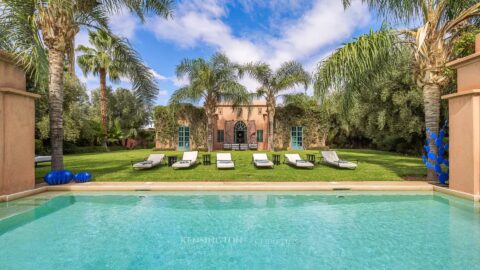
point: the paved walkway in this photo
(242, 186)
(239, 186)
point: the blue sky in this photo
(246, 30)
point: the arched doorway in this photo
(240, 132)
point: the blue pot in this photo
(83, 177)
(58, 177)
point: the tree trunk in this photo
(271, 126)
(431, 101)
(210, 106)
(323, 138)
(209, 133)
(55, 101)
(271, 122)
(103, 105)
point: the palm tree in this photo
(430, 45)
(114, 57)
(212, 81)
(31, 28)
(274, 83)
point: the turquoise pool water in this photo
(240, 231)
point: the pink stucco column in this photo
(17, 130)
(464, 121)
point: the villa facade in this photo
(236, 128)
(245, 125)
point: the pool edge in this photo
(244, 186)
(463, 195)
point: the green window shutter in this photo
(259, 135)
(220, 136)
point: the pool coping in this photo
(244, 186)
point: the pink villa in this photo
(236, 128)
(243, 126)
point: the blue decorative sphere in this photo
(83, 177)
(58, 177)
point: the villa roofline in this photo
(255, 103)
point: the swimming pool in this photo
(146, 230)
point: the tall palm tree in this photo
(212, 81)
(440, 23)
(274, 83)
(31, 28)
(113, 57)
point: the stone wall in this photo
(17, 129)
(464, 125)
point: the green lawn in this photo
(115, 166)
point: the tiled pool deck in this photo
(243, 186)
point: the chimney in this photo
(477, 44)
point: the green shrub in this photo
(39, 147)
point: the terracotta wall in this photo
(256, 112)
(464, 130)
(17, 123)
(254, 116)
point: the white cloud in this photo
(198, 22)
(250, 83)
(82, 38)
(324, 25)
(163, 93)
(179, 82)
(123, 23)
(158, 76)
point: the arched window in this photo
(240, 132)
(240, 126)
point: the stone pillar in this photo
(464, 121)
(17, 130)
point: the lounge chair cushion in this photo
(331, 158)
(143, 165)
(39, 159)
(192, 156)
(182, 164)
(261, 160)
(303, 164)
(188, 159)
(296, 160)
(152, 161)
(263, 163)
(347, 164)
(224, 161)
(225, 164)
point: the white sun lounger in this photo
(224, 161)
(261, 160)
(188, 159)
(41, 159)
(153, 160)
(297, 161)
(331, 157)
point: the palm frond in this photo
(180, 96)
(259, 71)
(291, 74)
(462, 16)
(215, 80)
(95, 18)
(397, 10)
(141, 8)
(116, 55)
(235, 93)
(352, 63)
(19, 36)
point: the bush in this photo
(70, 148)
(39, 147)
